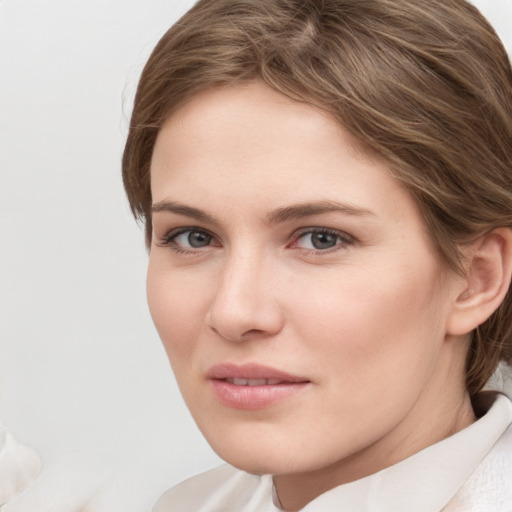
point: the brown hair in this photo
(426, 84)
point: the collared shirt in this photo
(19, 465)
(470, 471)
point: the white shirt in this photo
(470, 471)
(19, 465)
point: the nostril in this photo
(252, 333)
(243, 316)
(243, 336)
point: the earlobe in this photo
(488, 276)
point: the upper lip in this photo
(250, 371)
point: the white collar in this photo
(441, 469)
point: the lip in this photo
(231, 385)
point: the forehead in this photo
(253, 142)
(247, 112)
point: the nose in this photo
(245, 305)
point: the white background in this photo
(83, 376)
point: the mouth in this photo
(253, 382)
(252, 386)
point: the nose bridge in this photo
(245, 301)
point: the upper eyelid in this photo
(311, 229)
(316, 229)
(184, 229)
(299, 231)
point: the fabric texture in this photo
(470, 471)
(19, 465)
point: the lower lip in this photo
(254, 397)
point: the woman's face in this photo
(294, 286)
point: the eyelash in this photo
(170, 239)
(343, 240)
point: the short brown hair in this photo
(426, 84)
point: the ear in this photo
(487, 280)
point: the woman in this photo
(327, 193)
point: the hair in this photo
(425, 84)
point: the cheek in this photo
(176, 307)
(373, 321)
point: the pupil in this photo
(323, 240)
(198, 239)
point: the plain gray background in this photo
(84, 378)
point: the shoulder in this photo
(212, 490)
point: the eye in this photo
(194, 239)
(321, 240)
(189, 239)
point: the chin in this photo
(263, 465)
(260, 456)
(255, 454)
(251, 457)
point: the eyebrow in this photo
(278, 216)
(301, 210)
(181, 209)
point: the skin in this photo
(364, 317)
